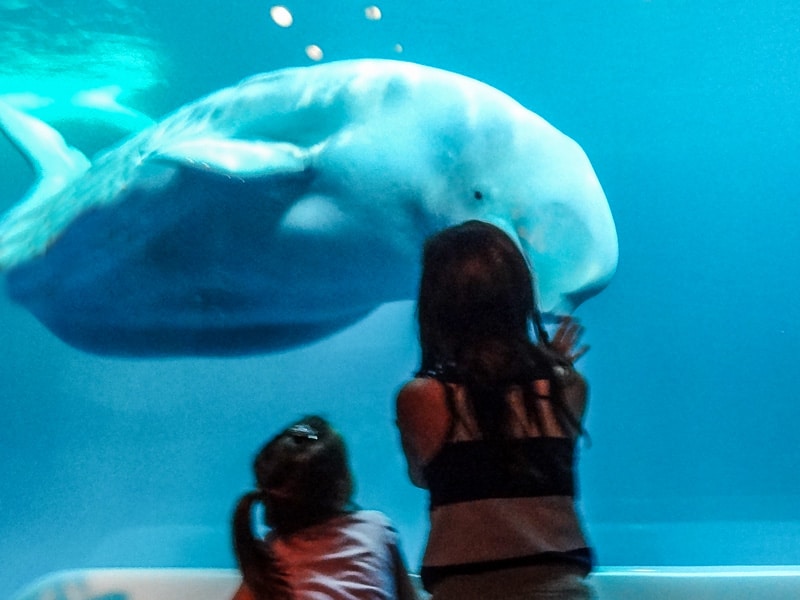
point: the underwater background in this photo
(689, 114)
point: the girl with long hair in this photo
(489, 426)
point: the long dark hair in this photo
(479, 324)
(303, 478)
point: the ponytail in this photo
(260, 568)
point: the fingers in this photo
(568, 333)
(567, 337)
(578, 353)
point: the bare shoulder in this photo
(423, 421)
(420, 404)
(243, 593)
(421, 390)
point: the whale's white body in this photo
(277, 211)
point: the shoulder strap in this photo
(450, 401)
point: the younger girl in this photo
(319, 546)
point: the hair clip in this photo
(303, 431)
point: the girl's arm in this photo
(423, 421)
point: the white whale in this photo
(280, 210)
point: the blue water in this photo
(688, 111)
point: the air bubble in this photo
(373, 13)
(281, 16)
(314, 52)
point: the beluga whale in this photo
(280, 210)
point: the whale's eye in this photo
(478, 195)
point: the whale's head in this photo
(539, 186)
(446, 148)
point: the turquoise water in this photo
(688, 113)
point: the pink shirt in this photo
(345, 558)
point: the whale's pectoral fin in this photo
(236, 158)
(29, 224)
(55, 162)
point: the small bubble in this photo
(314, 52)
(281, 16)
(373, 13)
(398, 48)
